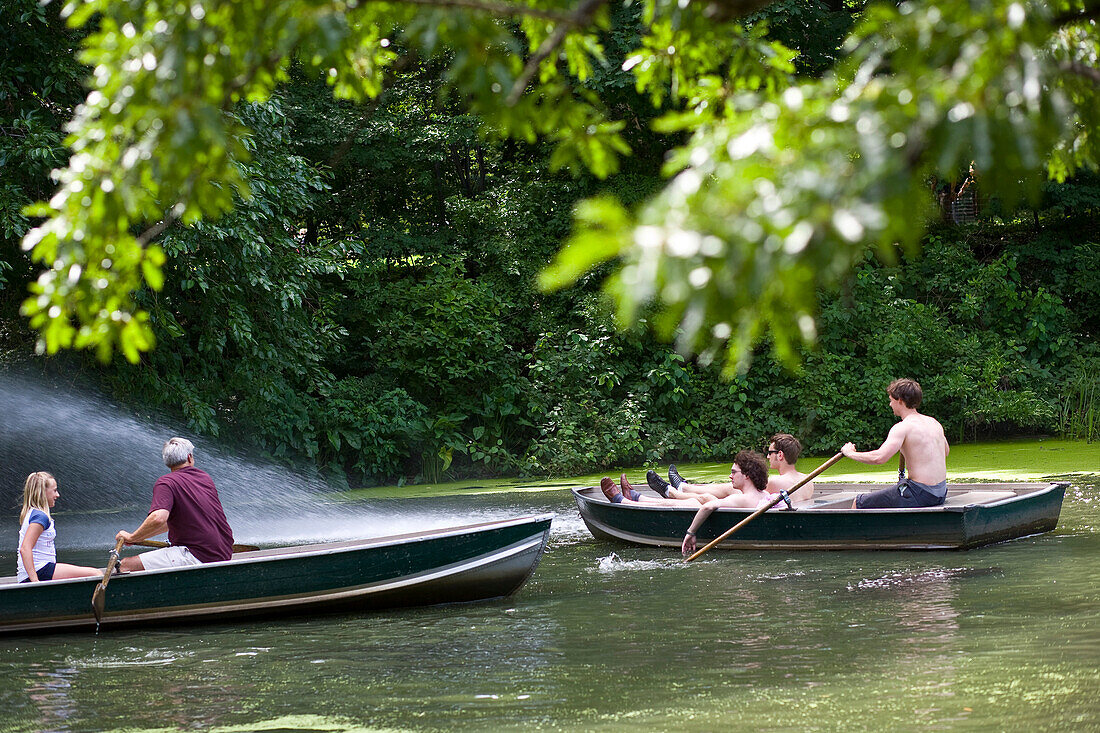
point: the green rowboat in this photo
(449, 565)
(973, 515)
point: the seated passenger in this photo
(783, 451)
(748, 474)
(37, 557)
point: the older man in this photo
(186, 504)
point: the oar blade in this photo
(98, 597)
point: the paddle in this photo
(99, 595)
(809, 477)
(155, 543)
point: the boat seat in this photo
(977, 497)
(834, 500)
(835, 496)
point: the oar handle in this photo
(112, 561)
(99, 595)
(809, 477)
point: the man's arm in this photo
(883, 453)
(705, 511)
(154, 524)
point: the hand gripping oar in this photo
(156, 543)
(782, 497)
(100, 593)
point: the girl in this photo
(37, 532)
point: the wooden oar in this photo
(809, 477)
(156, 543)
(99, 595)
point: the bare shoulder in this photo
(900, 429)
(931, 424)
(786, 481)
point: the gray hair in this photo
(176, 450)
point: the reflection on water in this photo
(48, 695)
(612, 637)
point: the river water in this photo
(613, 637)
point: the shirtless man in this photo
(748, 473)
(922, 444)
(783, 451)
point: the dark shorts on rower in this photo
(905, 494)
(44, 573)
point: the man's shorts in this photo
(176, 556)
(44, 573)
(903, 495)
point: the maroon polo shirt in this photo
(195, 516)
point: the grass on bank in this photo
(1016, 460)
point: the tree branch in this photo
(494, 8)
(581, 16)
(1089, 72)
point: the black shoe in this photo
(674, 476)
(657, 483)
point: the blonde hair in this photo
(34, 493)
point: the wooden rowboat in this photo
(973, 515)
(448, 565)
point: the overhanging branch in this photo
(496, 8)
(581, 16)
(1089, 72)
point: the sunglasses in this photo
(769, 452)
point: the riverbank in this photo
(1033, 459)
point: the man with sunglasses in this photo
(749, 476)
(782, 454)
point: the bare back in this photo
(784, 482)
(924, 447)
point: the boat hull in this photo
(454, 565)
(1006, 511)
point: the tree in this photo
(39, 86)
(779, 189)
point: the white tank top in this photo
(44, 551)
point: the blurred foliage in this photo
(331, 223)
(784, 183)
(780, 186)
